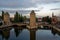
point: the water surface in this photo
(26, 34)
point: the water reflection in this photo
(19, 33)
(54, 32)
(32, 35)
(46, 35)
(5, 34)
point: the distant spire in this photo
(52, 14)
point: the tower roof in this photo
(32, 12)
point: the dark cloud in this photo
(55, 9)
(19, 11)
(16, 3)
(24, 3)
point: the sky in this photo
(24, 7)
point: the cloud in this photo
(24, 3)
(25, 6)
(56, 9)
(45, 1)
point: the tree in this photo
(25, 18)
(21, 18)
(2, 15)
(46, 19)
(16, 17)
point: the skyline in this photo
(42, 6)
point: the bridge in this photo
(13, 24)
(53, 27)
(56, 28)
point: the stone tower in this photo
(6, 18)
(32, 20)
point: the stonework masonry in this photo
(32, 19)
(6, 19)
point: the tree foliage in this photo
(2, 15)
(46, 19)
(18, 17)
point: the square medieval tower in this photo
(7, 18)
(32, 19)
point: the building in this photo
(54, 19)
(32, 19)
(58, 20)
(1, 22)
(39, 19)
(6, 18)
